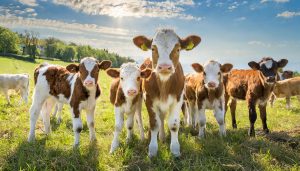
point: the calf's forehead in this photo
(88, 63)
(129, 70)
(165, 39)
(212, 67)
(269, 63)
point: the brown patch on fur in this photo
(83, 72)
(174, 55)
(80, 94)
(155, 56)
(95, 73)
(154, 88)
(98, 91)
(56, 77)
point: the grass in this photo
(278, 151)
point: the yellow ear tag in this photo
(144, 47)
(190, 46)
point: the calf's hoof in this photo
(266, 131)
(31, 138)
(113, 147)
(152, 150)
(175, 149)
(234, 126)
(251, 133)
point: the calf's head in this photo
(287, 74)
(166, 46)
(212, 72)
(269, 68)
(89, 70)
(130, 78)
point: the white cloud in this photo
(15, 11)
(31, 3)
(132, 8)
(259, 43)
(288, 14)
(277, 1)
(241, 19)
(63, 27)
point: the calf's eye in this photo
(204, 73)
(122, 78)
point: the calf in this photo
(254, 86)
(126, 96)
(80, 90)
(287, 88)
(163, 90)
(17, 82)
(205, 90)
(282, 76)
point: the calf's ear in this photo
(114, 73)
(197, 67)
(146, 73)
(226, 67)
(282, 63)
(104, 64)
(142, 42)
(254, 65)
(189, 42)
(73, 68)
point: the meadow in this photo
(280, 150)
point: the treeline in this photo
(28, 43)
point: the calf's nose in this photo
(88, 83)
(211, 84)
(131, 92)
(164, 68)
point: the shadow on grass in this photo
(37, 156)
(237, 151)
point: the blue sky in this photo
(235, 31)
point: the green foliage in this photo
(9, 41)
(278, 151)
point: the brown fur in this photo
(288, 87)
(249, 85)
(80, 94)
(154, 88)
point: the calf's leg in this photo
(263, 117)
(201, 121)
(119, 121)
(155, 122)
(219, 115)
(129, 126)
(288, 102)
(252, 117)
(173, 124)
(90, 118)
(232, 111)
(77, 125)
(139, 119)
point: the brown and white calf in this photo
(286, 89)
(205, 90)
(163, 90)
(255, 86)
(17, 82)
(78, 88)
(126, 96)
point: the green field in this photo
(278, 151)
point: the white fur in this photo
(17, 82)
(172, 107)
(165, 40)
(212, 68)
(268, 64)
(130, 72)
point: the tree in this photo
(9, 41)
(31, 42)
(69, 53)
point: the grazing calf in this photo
(282, 76)
(17, 82)
(287, 88)
(164, 88)
(205, 90)
(126, 96)
(80, 90)
(254, 86)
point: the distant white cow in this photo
(17, 82)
